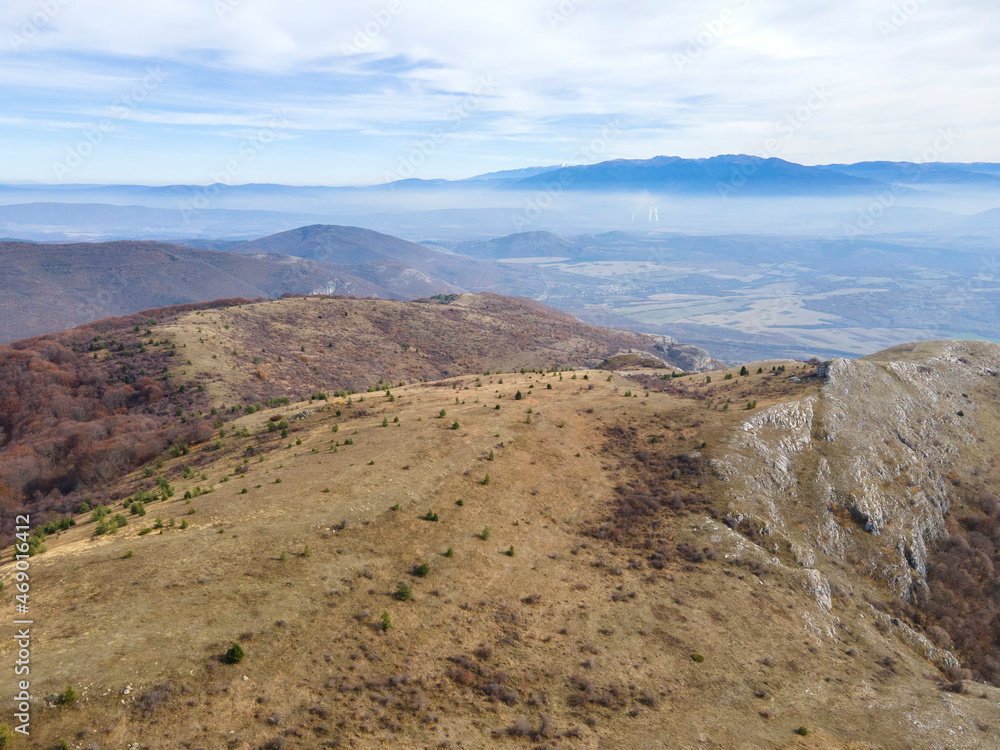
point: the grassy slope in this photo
(72, 405)
(319, 672)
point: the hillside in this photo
(46, 288)
(340, 244)
(336, 244)
(611, 560)
(313, 345)
(521, 245)
(78, 408)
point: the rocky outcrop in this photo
(861, 474)
(685, 357)
(665, 353)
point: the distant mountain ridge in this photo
(45, 287)
(521, 245)
(718, 174)
(905, 173)
(483, 205)
(338, 244)
(671, 173)
(353, 245)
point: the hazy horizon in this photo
(429, 178)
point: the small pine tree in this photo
(385, 421)
(518, 396)
(235, 654)
(386, 622)
(486, 479)
(510, 551)
(403, 592)
(68, 697)
(485, 534)
(744, 371)
(454, 426)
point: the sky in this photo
(354, 92)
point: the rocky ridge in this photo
(862, 475)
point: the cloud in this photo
(689, 79)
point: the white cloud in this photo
(894, 76)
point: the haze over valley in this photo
(742, 256)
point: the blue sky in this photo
(312, 92)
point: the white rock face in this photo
(817, 585)
(862, 473)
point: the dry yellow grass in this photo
(567, 617)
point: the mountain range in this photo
(729, 193)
